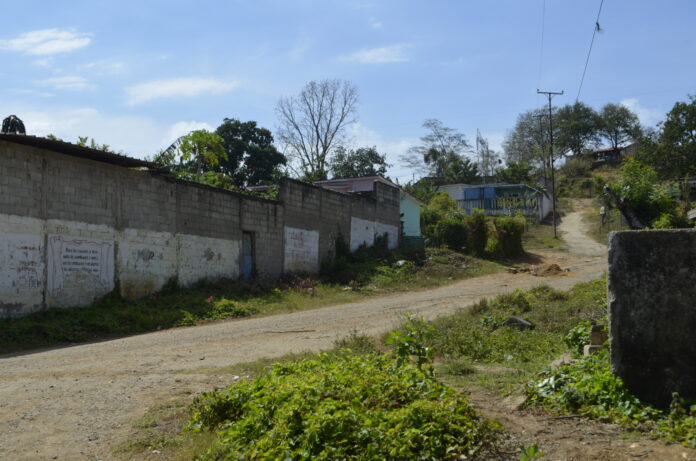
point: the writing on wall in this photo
(77, 261)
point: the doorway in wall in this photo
(247, 259)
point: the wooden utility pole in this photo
(550, 94)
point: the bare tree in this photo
(437, 150)
(313, 123)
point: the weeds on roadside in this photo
(341, 406)
(588, 388)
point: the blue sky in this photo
(135, 75)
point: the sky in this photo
(136, 75)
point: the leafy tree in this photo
(524, 143)
(618, 125)
(313, 123)
(443, 149)
(424, 189)
(514, 173)
(362, 162)
(251, 156)
(672, 150)
(195, 157)
(578, 128)
(460, 170)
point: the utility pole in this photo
(541, 145)
(550, 94)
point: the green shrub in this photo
(578, 337)
(452, 232)
(509, 235)
(477, 230)
(342, 406)
(671, 221)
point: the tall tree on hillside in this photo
(672, 149)
(313, 123)
(358, 163)
(578, 128)
(442, 148)
(618, 125)
(251, 156)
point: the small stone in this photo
(519, 323)
(590, 349)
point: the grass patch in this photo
(504, 357)
(113, 316)
(539, 236)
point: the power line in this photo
(541, 48)
(594, 32)
(541, 51)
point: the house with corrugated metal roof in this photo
(500, 199)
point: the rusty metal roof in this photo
(74, 150)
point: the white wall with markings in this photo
(56, 263)
(301, 250)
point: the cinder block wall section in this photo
(314, 213)
(72, 229)
(652, 315)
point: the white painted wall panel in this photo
(301, 250)
(361, 231)
(204, 258)
(22, 265)
(391, 231)
(147, 260)
(80, 270)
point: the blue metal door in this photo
(247, 255)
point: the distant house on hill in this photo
(610, 155)
(409, 206)
(501, 199)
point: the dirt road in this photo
(74, 403)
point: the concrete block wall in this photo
(71, 229)
(652, 314)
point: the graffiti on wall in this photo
(77, 260)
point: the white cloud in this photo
(136, 136)
(44, 62)
(182, 128)
(66, 82)
(647, 116)
(375, 24)
(176, 88)
(103, 66)
(385, 54)
(46, 42)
